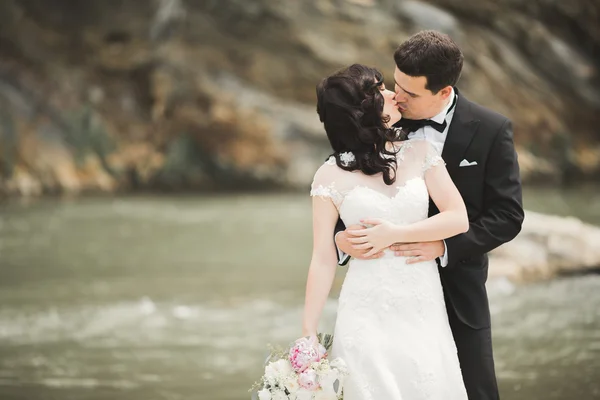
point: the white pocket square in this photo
(465, 163)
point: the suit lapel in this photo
(460, 133)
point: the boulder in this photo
(547, 246)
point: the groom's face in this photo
(414, 100)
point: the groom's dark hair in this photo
(433, 55)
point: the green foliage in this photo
(326, 340)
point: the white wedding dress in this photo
(392, 328)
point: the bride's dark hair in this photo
(350, 106)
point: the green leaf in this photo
(326, 340)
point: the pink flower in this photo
(308, 379)
(305, 352)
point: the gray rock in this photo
(427, 16)
(547, 246)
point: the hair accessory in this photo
(347, 158)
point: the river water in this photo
(177, 297)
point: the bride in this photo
(392, 327)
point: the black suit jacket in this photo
(491, 191)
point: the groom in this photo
(480, 156)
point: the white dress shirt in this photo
(437, 139)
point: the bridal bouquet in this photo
(302, 372)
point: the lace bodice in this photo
(358, 196)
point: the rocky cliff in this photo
(174, 94)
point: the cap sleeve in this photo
(324, 183)
(432, 159)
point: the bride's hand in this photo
(309, 334)
(376, 238)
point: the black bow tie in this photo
(412, 125)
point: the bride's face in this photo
(390, 106)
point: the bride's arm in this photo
(322, 265)
(452, 219)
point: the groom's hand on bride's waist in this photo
(419, 252)
(341, 240)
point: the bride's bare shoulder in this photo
(330, 169)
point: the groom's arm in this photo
(502, 214)
(343, 258)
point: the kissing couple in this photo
(421, 185)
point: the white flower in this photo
(327, 382)
(282, 367)
(347, 158)
(340, 365)
(321, 395)
(277, 371)
(279, 395)
(291, 384)
(264, 394)
(270, 372)
(304, 394)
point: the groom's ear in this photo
(445, 92)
